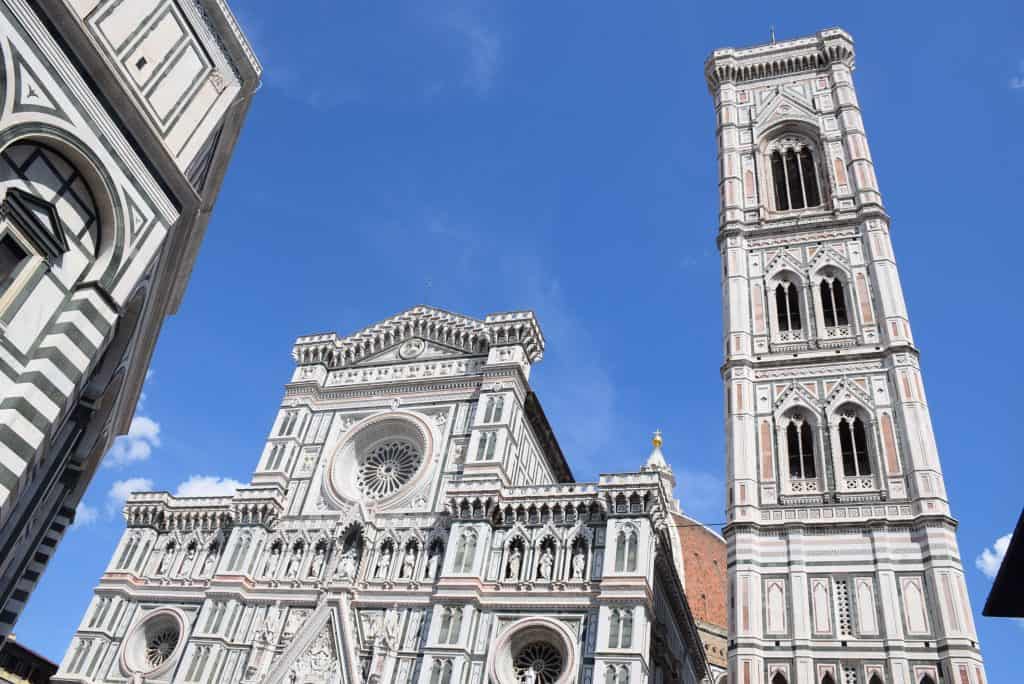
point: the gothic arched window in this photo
(854, 445)
(794, 176)
(626, 550)
(465, 551)
(827, 679)
(833, 303)
(875, 679)
(800, 445)
(626, 637)
(927, 679)
(787, 306)
(778, 679)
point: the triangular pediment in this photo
(314, 653)
(412, 349)
(784, 105)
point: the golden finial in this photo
(657, 439)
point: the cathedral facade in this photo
(844, 565)
(117, 121)
(411, 519)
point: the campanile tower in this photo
(843, 560)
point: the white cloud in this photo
(990, 559)
(1018, 80)
(483, 46)
(84, 515)
(120, 490)
(143, 436)
(207, 485)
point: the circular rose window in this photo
(538, 662)
(160, 645)
(380, 459)
(534, 650)
(387, 466)
(154, 643)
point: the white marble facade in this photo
(844, 566)
(411, 519)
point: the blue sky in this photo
(560, 157)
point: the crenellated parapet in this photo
(164, 512)
(779, 59)
(412, 329)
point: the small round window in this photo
(153, 644)
(385, 467)
(538, 662)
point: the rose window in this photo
(160, 645)
(538, 663)
(387, 466)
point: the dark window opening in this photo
(833, 303)
(11, 257)
(796, 188)
(800, 445)
(787, 305)
(779, 178)
(794, 179)
(853, 443)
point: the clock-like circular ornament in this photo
(410, 349)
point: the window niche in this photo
(794, 171)
(798, 436)
(854, 448)
(787, 307)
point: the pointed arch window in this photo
(794, 176)
(875, 679)
(800, 445)
(854, 445)
(828, 679)
(833, 302)
(626, 551)
(787, 306)
(779, 679)
(465, 551)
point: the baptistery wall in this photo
(117, 119)
(411, 518)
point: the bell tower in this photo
(844, 566)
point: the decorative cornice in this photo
(468, 335)
(779, 59)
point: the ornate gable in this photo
(784, 105)
(422, 331)
(313, 655)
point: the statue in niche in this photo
(165, 559)
(189, 560)
(211, 560)
(408, 563)
(295, 619)
(579, 563)
(384, 562)
(293, 561)
(432, 562)
(268, 630)
(316, 566)
(347, 565)
(273, 560)
(374, 628)
(391, 623)
(547, 562)
(515, 562)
